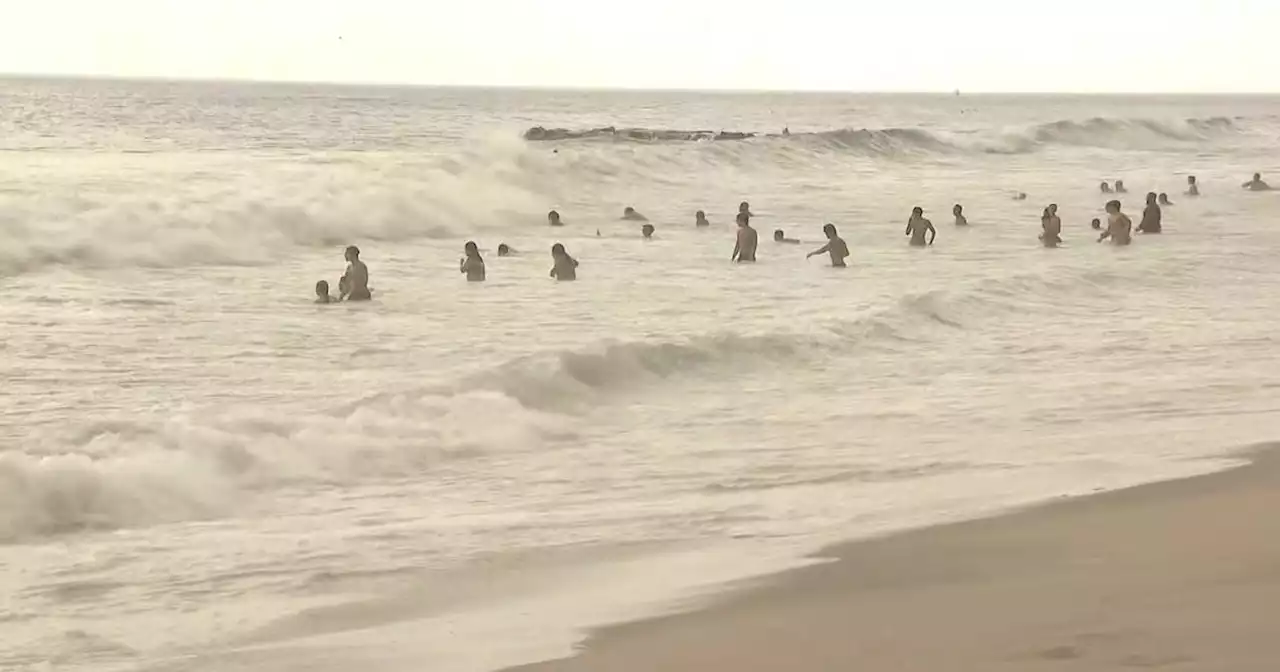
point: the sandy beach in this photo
(1181, 575)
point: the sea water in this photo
(200, 469)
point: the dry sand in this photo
(1183, 575)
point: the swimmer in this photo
(629, 214)
(786, 131)
(1119, 226)
(1256, 184)
(1164, 199)
(780, 236)
(745, 207)
(835, 246)
(1020, 196)
(647, 231)
(1193, 189)
(744, 247)
(917, 226)
(473, 263)
(354, 285)
(553, 218)
(1051, 234)
(1120, 187)
(1096, 224)
(505, 250)
(564, 267)
(322, 293)
(958, 211)
(700, 219)
(1151, 215)
(1105, 188)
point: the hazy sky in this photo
(913, 45)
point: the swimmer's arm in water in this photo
(553, 271)
(344, 284)
(933, 233)
(821, 250)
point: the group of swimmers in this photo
(354, 284)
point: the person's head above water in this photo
(957, 209)
(917, 211)
(1191, 179)
(352, 253)
(322, 289)
(1096, 223)
(700, 216)
(470, 249)
(647, 230)
(1257, 177)
(1053, 208)
(829, 230)
(503, 250)
(1104, 187)
(744, 219)
(1119, 185)
(1152, 198)
(744, 207)
(553, 217)
(1113, 207)
(779, 234)
(557, 250)
(628, 210)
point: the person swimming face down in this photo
(700, 219)
(564, 267)
(553, 218)
(472, 263)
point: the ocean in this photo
(202, 470)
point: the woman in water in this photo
(473, 263)
(917, 226)
(1119, 226)
(1051, 236)
(564, 267)
(1151, 215)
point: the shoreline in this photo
(1178, 573)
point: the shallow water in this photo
(202, 470)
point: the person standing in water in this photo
(564, 267)
(835, 246)
(958, 211)
(1256, 184)
(917, 226)
(473, 264)
(354, 285)
(1119, 226)
(700, 219)
(1051, 225)
(1193, 189)
(744, 247)
(553, 218)
(1151, 215)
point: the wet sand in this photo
(1182, 575)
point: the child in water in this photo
(505, 250)
(647, 231)
(322, 293)
(473, 263)
(1096, 224)
(780, 236)
(700, 219)
(564, 266)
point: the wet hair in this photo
(1113, 205)
(1152, 197)
(744, 218)
(647, 230)
(553, 215)
(829, 229)
(917, 210)
(957, 208)
(744, 206)
(1096, 223)
(778, 234)
(503, 249)
(471, 249)
(353, 250)
(700, 215)
(557, 249)
(322, 288)
(1163, 196)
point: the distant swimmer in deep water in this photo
(744, 246)
(835, 246)
(1105, 188)
(354, 285)
(958, 211)
(1193, 189)
(1164, 199)
(1151, 215)
(1051, 229)
(1120, 187)
(505, 250)
(629, 214)
(700, 219)
(1020, 196)
(472, 264)
(564, 267)
(1256, 184)
(322, 293)
(917, 226)
(780, 236)
(1096, 224)
(1119, 226)
(786, 131)
(647, 231)
(553, 218)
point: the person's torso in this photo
(747, 241)
(358, 275)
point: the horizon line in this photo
(147, 79)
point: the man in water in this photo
(917, 226)
(322, 293)
(1119, 226)
(780, 236)
(553, 218)
(700, 219)
(1192, 188)
(744, 249)
(958, 211)
(354, 285)
(835, 246)
(629, 214)
(1151, 215)
(1256, 184)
